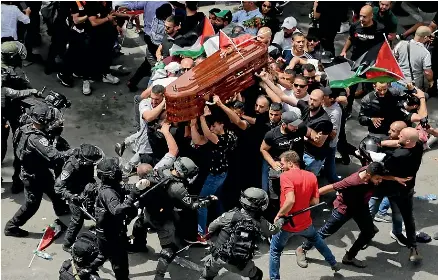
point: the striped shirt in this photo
(10, 17)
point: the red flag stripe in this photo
(48, 236)
(385, 59)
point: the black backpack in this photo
(69, 271)
(240, 247)
(90, 195)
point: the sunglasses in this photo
(300, 86)
(310, 78)
(266, 6)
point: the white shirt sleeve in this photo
(22, 17)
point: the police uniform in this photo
(253, 201)
(160, 206)
(111, 210)
(76, 174)
(37, 157)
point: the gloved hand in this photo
(206, 201)
(143, 184)
(76, 199)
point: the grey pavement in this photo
(106, 117)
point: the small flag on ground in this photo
(191, 44)
(376, 65)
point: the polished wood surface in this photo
(217, 75)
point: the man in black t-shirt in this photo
(404, 162)
(316, 118)
(364, 34)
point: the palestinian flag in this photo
(225, 41)
(191, 44)
(376, 65)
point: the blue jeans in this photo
(313, 165)
(397, 219)
(330, 166)
(279, 241)
(212, 186)
(265, 176)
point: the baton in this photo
(306, 209)
(86, 213)
(137, 203)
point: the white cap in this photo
(289, 23)
(173, 67)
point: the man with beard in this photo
(314, 117)
(309, 72)
(224, 22)
(171, 26)
(379, 109)
(404, 161)
(282, 38)
(384, 15)
(364, 34)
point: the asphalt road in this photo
(106, 117)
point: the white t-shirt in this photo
(288, 107)
(335, 114)
(142, 142)
(285, 43)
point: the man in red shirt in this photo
(354, 193)
(298, 190)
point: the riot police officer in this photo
(37, 157)
(238, 231)
(77, 172)
(169, 192)
(14, 86)
(111, 210)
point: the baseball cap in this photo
(225, 14)
(330, 93)
(289, 23)
(291, 117)
(173, 67)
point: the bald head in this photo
(366, 16)
(262, 104)
(395, 128)
(143, 169)
(264, 35)
(423, 31)
(187, 63)
(408, 137)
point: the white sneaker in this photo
(86, 87)
(110, 79)
(345, 27)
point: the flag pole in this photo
(234, 45)
(34, 254)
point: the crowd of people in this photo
(246, 165)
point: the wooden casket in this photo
(217, 75)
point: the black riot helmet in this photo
(13, 53)
(367, 145)
(41, 114)
(90, 154)
(109, 171)
(186, 168)
(254, 200)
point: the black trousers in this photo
(34, 188)
(113, 247)
(58, 45)
(78, 58)
(362, 217)
(101, 47)
(328, 40)
(344, 148)
(145, 68)
(5, 136)
(75, 225)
